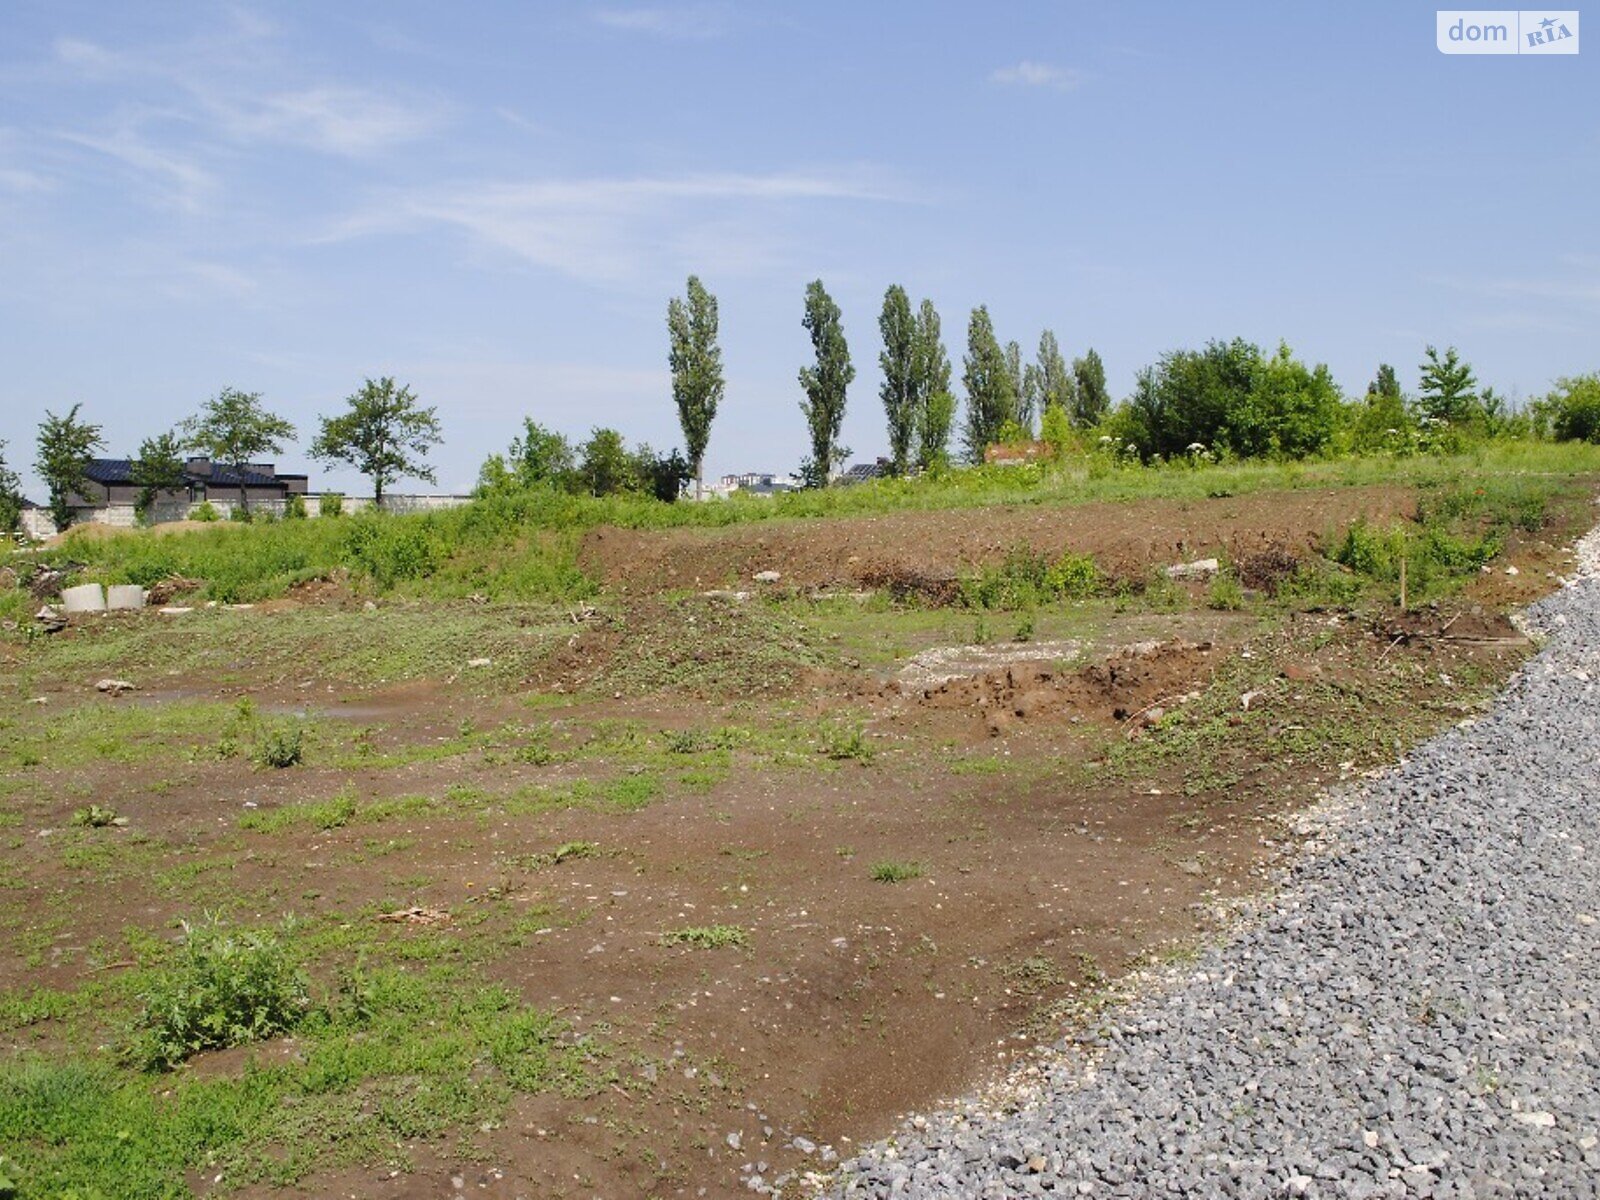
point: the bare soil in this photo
(925, 551)
(1065, 828)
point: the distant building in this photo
(861, 472)
(110, 482)
(753, 483)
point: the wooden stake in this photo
(1402, 585)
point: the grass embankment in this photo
(525, 546)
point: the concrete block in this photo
(122, 596)
(85, 598)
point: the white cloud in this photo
(610, 230)
(330, 119)
(178, 181)
(1028, 73)
(690, 22)
(229, 85)
(16, 180)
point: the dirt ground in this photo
(1064, 814)
(1127, 539)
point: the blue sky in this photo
(493, 202)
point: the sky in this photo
(494, 202)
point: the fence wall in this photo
(36, 522)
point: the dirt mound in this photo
(923, 554)
(1120, 687)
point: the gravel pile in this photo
(1417, 1013)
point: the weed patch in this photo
(706, 937)
(895, 872)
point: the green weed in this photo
(706, 937)
(890, 871)
(226, 988)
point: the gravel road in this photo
(1416, 1013)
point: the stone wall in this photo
(36, 522)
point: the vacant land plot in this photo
(361, 894)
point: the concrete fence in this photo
(36, 522)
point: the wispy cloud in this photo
(609, 230)
(688, 22)
(177, 181)
(219, 83)
(1029, 73)
(330, 119)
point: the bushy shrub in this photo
(227, 987)
(294, 508)
(390, 550)
(204, 511)
(330, 504)
(1074, 576)
(281, 746)
(1026, 579)
(1574, 409)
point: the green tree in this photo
(159, 468)
(1048, 382)
(898, 361)
(10, 495)
(1229, 397)
(826, 383)
(233, 428)
(696, 363)
(991, 395)
(66, 446)
(1022, 414)
(1290, 410)
(663, 475)
(1381, 421)
(537, 457)
(1091, 399)
(606, 468)
(1449, 391)
(1055, 427)
(384, 434)
(935, 404)
(1573, 406)
(1187, 398)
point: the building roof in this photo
(119, 472)
(862, 472)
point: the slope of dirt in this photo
(926, 549)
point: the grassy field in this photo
(351, 898)
(524, 546)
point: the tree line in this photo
(383, 432)
(1229, 399)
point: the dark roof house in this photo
(111, 481)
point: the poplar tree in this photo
(696, 363)
(1092, 401)
(898, 360)
(1049, 380)
(991, 395)
(825, 383)
(935, 404)
(1022, 410)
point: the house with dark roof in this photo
(110, 481)
(862, 472)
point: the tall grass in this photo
(524, 545)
